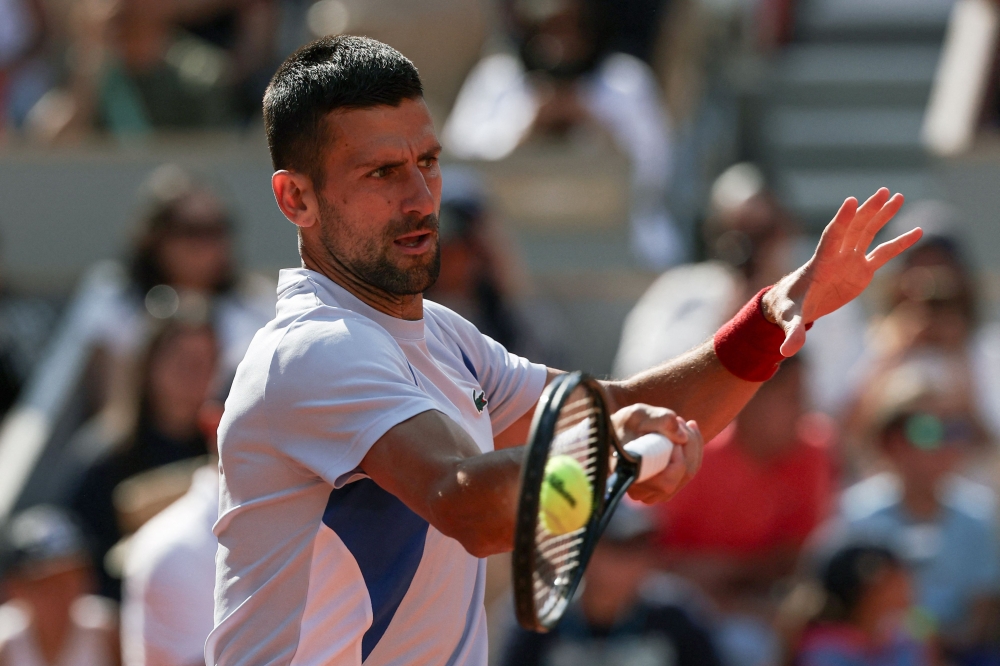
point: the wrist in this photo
(749, 344)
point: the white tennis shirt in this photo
(318, 565)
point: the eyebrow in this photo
(433, 151)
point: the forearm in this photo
(477, 502)
(434, 467)
(695, 385)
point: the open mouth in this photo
(415, 242)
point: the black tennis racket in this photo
(572, 419)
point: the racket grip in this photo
(655, 450)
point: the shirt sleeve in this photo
(512, 383)
(334, 388)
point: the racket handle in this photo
(655, 450)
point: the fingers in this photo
(880, 219)
(638, 419)
(685, 461)
(833, 235)
(865, 213)
(795, 337)
(889, 250)
(664, 485)
(694, 449)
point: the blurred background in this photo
(620, 176)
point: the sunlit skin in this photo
(381, 168)
(372, 222)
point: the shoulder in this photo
(167, 542)
(870, 498)
(329, 337)
(14, 621)
(95, 613)
(971, 501)
(627, 75)
(448, 324)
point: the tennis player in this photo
(371, 444)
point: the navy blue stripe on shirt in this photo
(468, 364)
(386, 539)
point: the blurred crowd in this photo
(847, 517)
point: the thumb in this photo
(795, 336)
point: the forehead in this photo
(358, 136)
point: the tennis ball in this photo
(566, 496)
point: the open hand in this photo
(685, 460)
(839, 270)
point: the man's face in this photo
(381, 194)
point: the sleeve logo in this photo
(479, 400)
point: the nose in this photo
(420, 199)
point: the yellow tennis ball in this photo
(566, 496)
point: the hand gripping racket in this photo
(572, 419)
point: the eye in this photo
(428, 162)
(380, 172)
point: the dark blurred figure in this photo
(634, 26)
(861, 616)
(775, 464)
(144, 65)
(183, 250)
(923, 423)
(168, 605)
(151, 420)
(559, 80)
(51, 617)
(618, 618)
(752, 242)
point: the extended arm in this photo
(434, 467)
(698, 385)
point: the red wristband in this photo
(748, 345)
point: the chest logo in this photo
(479, 400)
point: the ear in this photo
(296, 197)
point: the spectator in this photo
(168, 606)
(862, 620)
(752, 243)
(562, 80)
(141, 65)
(775, 465)
(183, 250)
(480, 278)
(23, 76)
(941, 524)
(617, 618)
(932, 307)
(50, 617)
(151, 420)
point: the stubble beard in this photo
(369, 259)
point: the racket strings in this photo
(558, 557)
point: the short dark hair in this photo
(342, 72)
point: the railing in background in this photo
(46, 414)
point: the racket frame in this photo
(607, 494)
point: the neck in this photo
(920, 502)
(408, 306)
(52, 635)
